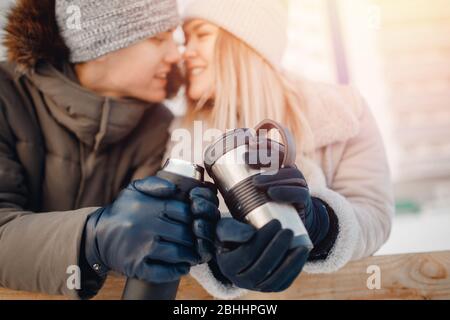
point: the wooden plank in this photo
(411, 276)
(408, 276)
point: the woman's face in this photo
(200, 43)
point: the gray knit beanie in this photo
(93, 28)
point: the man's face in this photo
(139, 71)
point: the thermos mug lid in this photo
(184, 168)
(238, 137)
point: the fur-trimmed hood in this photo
(32, 35)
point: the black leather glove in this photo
(288, 185)
(206, 214)
(146, 235)
(258, 260)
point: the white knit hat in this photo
(262, 24)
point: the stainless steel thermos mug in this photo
(185, 176)
(227, 162)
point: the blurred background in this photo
(397, 52)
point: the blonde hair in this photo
(247, 90)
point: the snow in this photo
(425, 232)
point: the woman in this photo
(234, 79)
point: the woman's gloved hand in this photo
(258, 260)
(206, 214)
(146, 235)
(288, 185)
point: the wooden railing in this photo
(407, 276)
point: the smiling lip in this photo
(195, 71)
(160, 81)
(162, 75)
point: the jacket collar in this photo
(332, 112)
(97, 121)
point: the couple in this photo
(83, 132)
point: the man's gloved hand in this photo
(288, 185)
(146, 235)
(258, 260)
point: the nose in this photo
(173, 55)
(190, 51)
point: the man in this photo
(80, 118)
